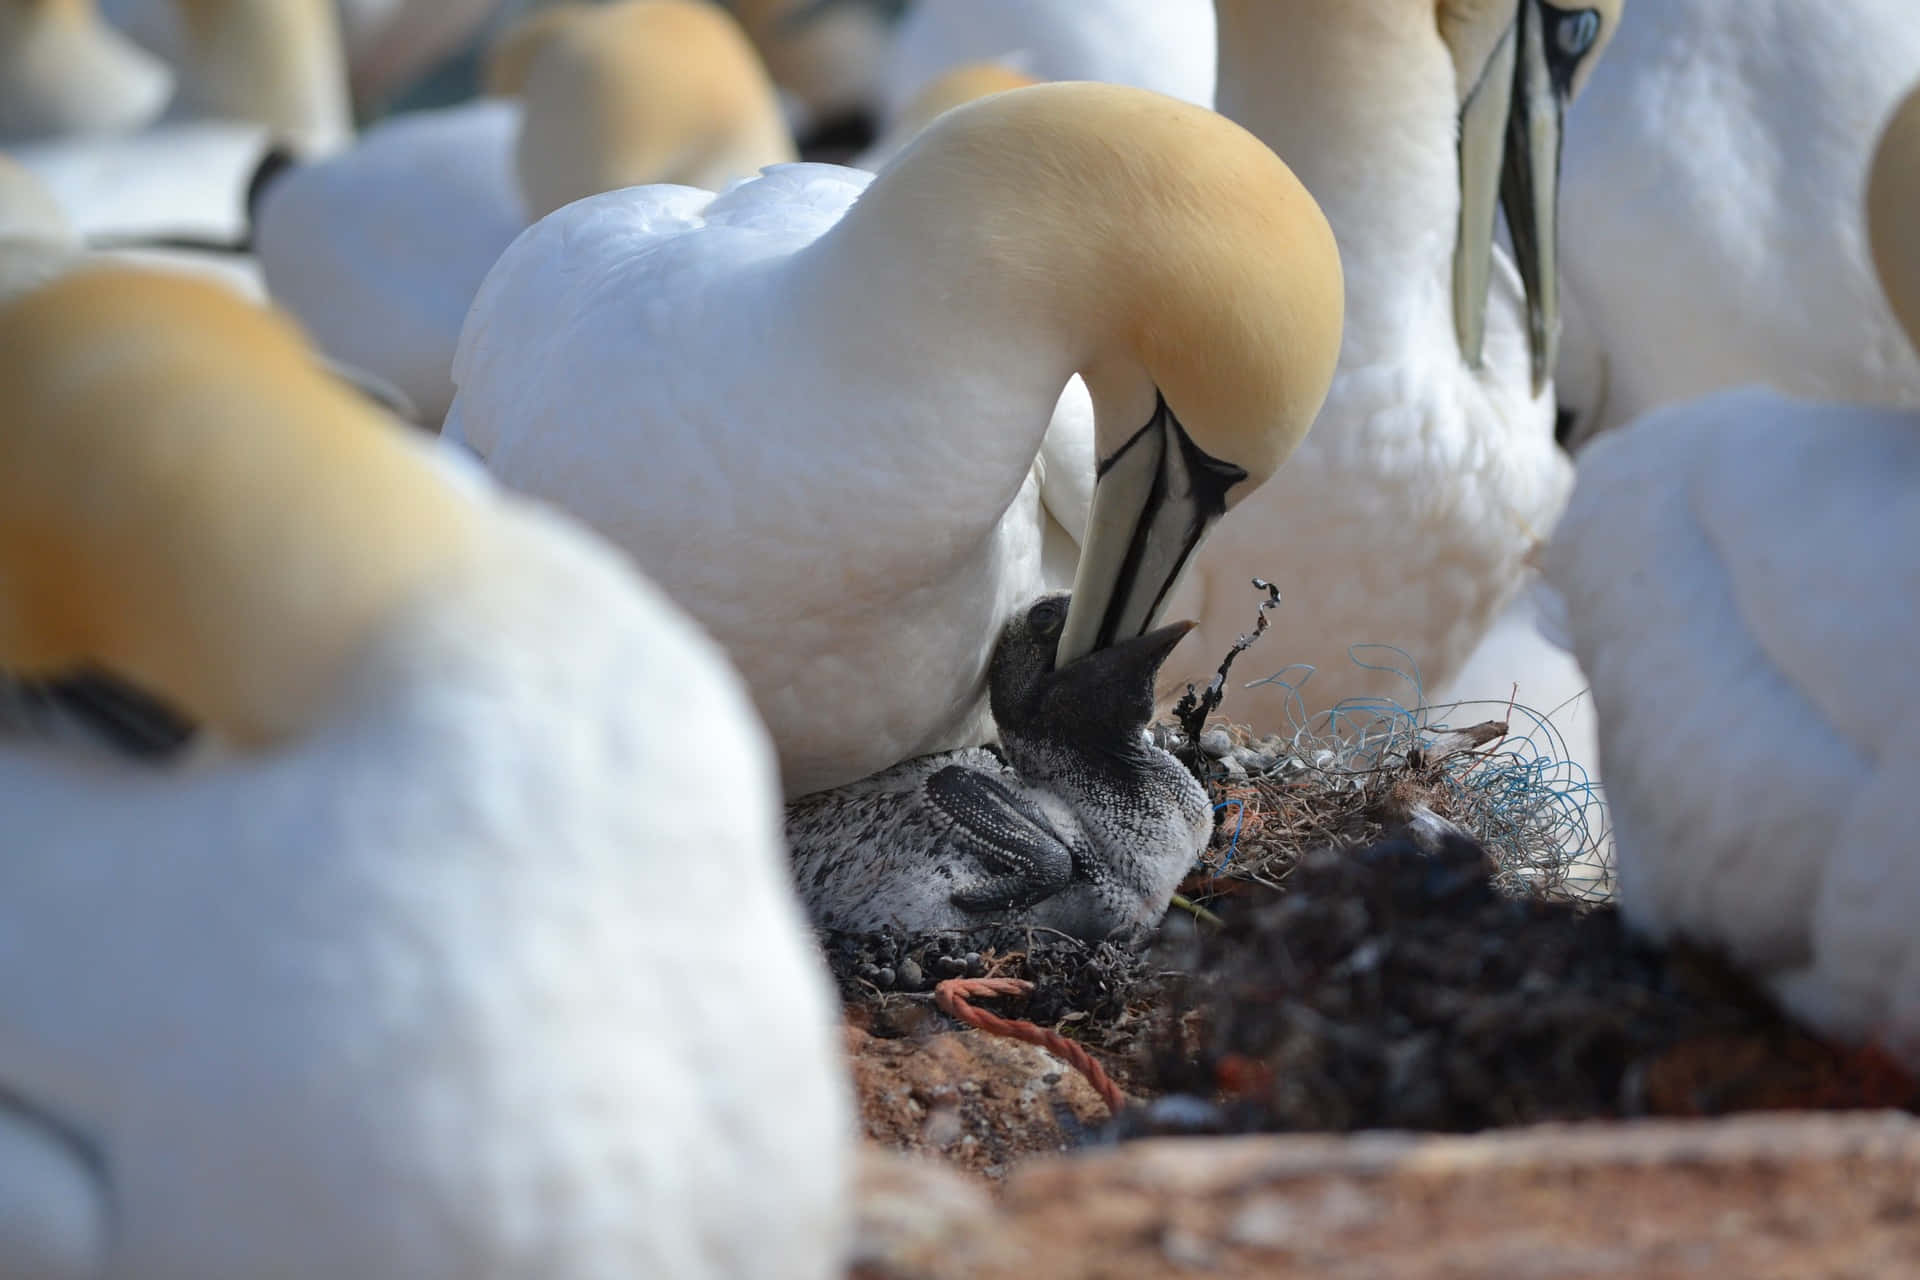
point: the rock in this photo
(1776, 1195)
(1216, 742)
(975, 1101)
(914, 1215)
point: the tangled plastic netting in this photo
(1347, 775)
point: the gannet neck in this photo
(187, 501)
(616, 96)
(1151, 246)
(280, 63)
(64, 70)
(1893, 214)
(1362, 105)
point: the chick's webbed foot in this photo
(1008, 836)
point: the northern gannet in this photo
(824, 54)
(810, 407)
(379, 250)
(1406, 516)
(1083, 826)
(1709, 139)
(276, 63)
(64, 71)
(398, 987)
(1164, 45)
(1739, 574)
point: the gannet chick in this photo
(1407, 517)
(1082, 826)
(1739, 576)
(398, 987)
(379, 250)
(810, 407)
(1709, 139)
(64, 71)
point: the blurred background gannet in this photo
(1406, 516)
(1082, 825)
(826, 56)
(1164, 45)
(64, 71)
(400, 986)
(380, 250)
(1739, 574)
(810, 407)
(1712, 176)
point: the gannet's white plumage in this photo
(1739, 574)
(1163, 45)
(64, 71)
(1406, 516)
(1712, 138)
(401, 986)
(35, 236)
(379, 250)
(811, 406)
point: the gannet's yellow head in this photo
(1517, 66)
(640, 91)
(1893, 214)
(188, 502)
(280, 63)
(1199, 279)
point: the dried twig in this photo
(953, 994)
(1194, 707)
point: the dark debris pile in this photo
(1392, 988)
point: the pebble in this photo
(910, 976)
(1216, 742)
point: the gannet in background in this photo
(1164, 45)
(1739, 574)
(810, 407)
(397, 987)
(277, 63)
(1406, 516)
(961, 84)
(386, 44)
(64, 71)
(1711, 139)
(379, 250)
(1082, 825)
(824, 54)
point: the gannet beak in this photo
(1484, 116)
(1154, 501)
(1521, 102)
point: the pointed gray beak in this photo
(1154, 502)
(1510, 132)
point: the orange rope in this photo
(952, 996)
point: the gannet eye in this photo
(1044, 619)
(1575, 32)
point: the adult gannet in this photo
(1710, 140)
(64, 71)
(1406, 516)
(379, 250)
(1163, 45)
(951, 88)
(1739, 574)
(277, 63)
(810, 406)
(397, 987)
(1082, 826)
(824, 54)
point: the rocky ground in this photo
(1354, 964)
